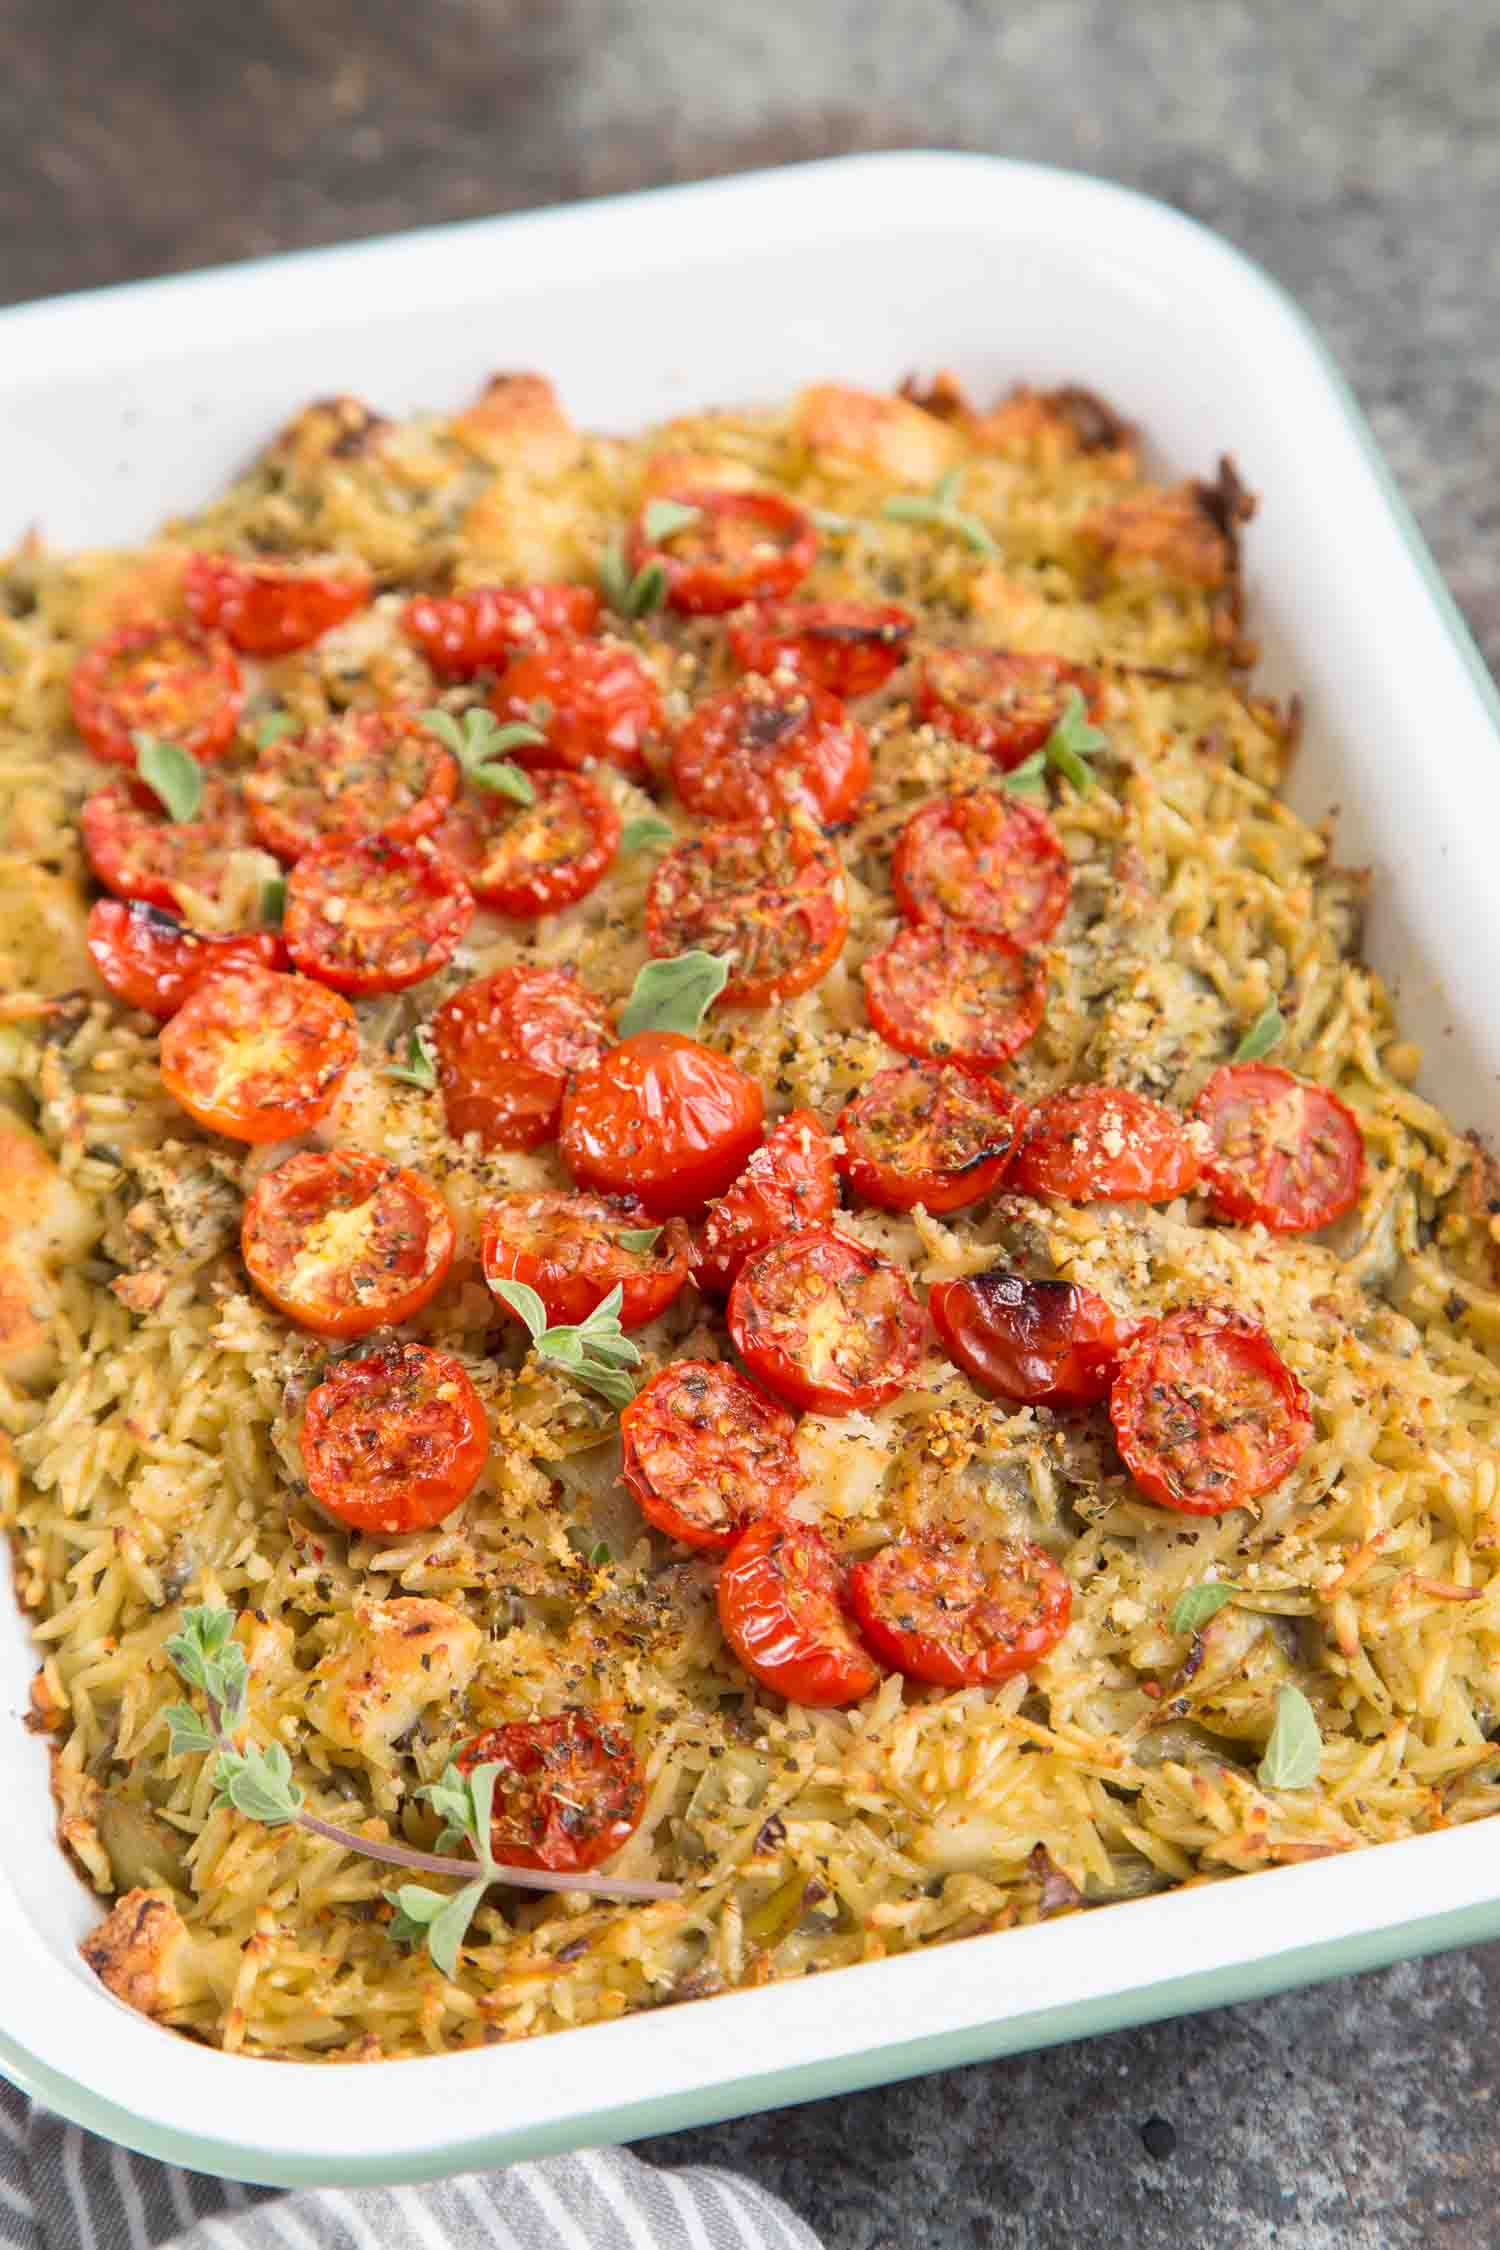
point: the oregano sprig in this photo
(596, 1352)
(481, 746)
(940, 508)
(1067, 749)
(630, 595)
(419, 1068)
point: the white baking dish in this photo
(119, 406)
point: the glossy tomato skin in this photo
(846, 648)
(1041, 1343)
(704, 1451)
(342, 1242)
(790, 1181)
(957, 1612)
(570, 1791)
(1206, 1413)
(367, 773)
(139, 853)
(164, 679)
(394, 1441)
(927, 1133)
(745, 546)
(483, 626)
(567, 1248)
(771, 899)
(824, 1324)
(664, 1118)
(591, 699)
(366, 915)
(984, 859)
(267, 609)
(258, 1056)
(1283, 1154)
(1004, 702)
(506, 1046)
(781, 1606)
(751, 751)
(1104, 1144)
(151, 961)
(526, 860)
(946, 993)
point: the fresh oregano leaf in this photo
(273, 900)
(1295, 1749)
(259, 1784)
(639, 1238)
(1262, 1036)
(481, 746)
(186, 1730)
(450, 1926)
(1073, 742)
(171, 773)
(1029, 778)
(524, 1303)
(674, 995)
(601, 1554)
(663, 519)
(640, 835)
(830, 521)
(1193, 1609)
(273, 727)
(419, 1069)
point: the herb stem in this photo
(437, 1863)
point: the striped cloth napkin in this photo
(63, 2189)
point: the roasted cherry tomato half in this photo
(570, 1791)
(1104, 1144)
(749, 752)
(927, 1133)
(846, 648)
(740, 547)
(568, 1248)
(789, 1182)
(138, 852)
(167, 680)
(984, 859)
(258, 1056)
(1041, 1343)
(1285, 1154)
(825, 1324)
(1206, 1412)
(366, 915)
(151, 961)
(1004, 702)
(704, 1451)
(269, 608)
(946, 993)
(960, 1612)
(591, 699)
(533, 859)
(342, 1242)
(506, 1047)
(770, 900)
(661, 1117)
(394, 1441)
(483, 626)
(368, 773)
(781, 1605)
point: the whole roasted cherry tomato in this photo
(1004, 702)
(704, 1451)
(394, 1441)
(661, 1117)
(342, 1242)
(367, 915)
(268, 608)
(781, 1607)
(1104, 1144)
(1041, 1343)
(258, 1056)
(465, 633)
(960, 1612)
(573, 1249)
(789, 1182)
(739, 547)
(506, 1047)
(750, 751)
(150, 961)
(533, 859)
(946, 993)
(166, 680)
(570, 1790)
(770, 899)
(1285, 1154)
(1206, 1413)
(138, 851)
(365, 774)
(591, 699)
(984, 859)
(825, 1324)
(927, 1133)
(847, 648)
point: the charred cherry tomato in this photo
(1104, 1144)
(591, 699)
(570, 1791)
(1206, 1412)
(138, 851)
(368, 773)
(168, 680)
(770, 900)
(742, 547)
(269, 608)
(1041, 1343)
(705, 1451)
(151, 961)
(342, 1242)
(1286, 1154)
(367, 915)
(484, 625)
(395, 1441)
(533, 859)
(960, 1612)
(258, 1056)
(847, 648)
(789, 1182)
(1003, 702)
(946, 993)
(781, 1606)
(825, 1324)
(752, 750)
(927, 1133)
(568, 1249)
(663, 1118)
(986, 860)
(506, 1047)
